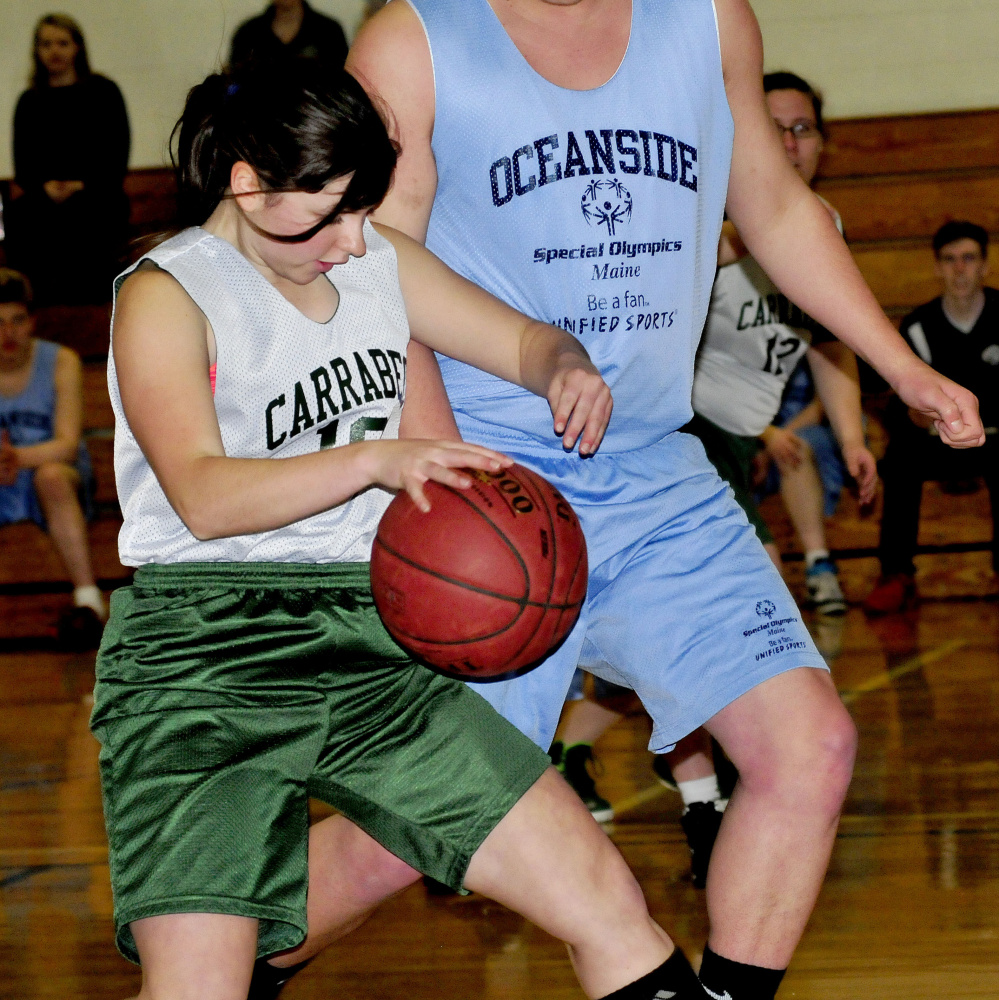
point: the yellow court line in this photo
(849, 696)
(885, 678)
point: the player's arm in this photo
(67, 422)
(791, 234)
(161, 357)
(391, 59)
(837, 383)
(457, 318)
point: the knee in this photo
(809, 762)
(54, 482)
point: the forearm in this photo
(807, 416)
(804, 254)
(837, 384)
(32, 456)
(545, 350)
(427, 413)
(217, 497)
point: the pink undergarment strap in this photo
(211, 377)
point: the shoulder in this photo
(740, 39)
(394, 43)
(67, 360)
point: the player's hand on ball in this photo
(952, 408)
(408, 465)
(581, 404)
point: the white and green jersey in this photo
(285, 386)
(753, 340)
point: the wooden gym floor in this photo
(910, 908)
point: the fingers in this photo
(862, 465)
(581, 407)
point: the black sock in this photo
(674, 978)
(724, 979)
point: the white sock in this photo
(91, 597)
(699, 790)
(813, 556)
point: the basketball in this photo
(488, 582)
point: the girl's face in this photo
(288, 214)
(56, 49)
(16, 329)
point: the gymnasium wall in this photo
(154, 50)
(889, 57)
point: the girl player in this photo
(246, 668)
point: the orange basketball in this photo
(488, 582)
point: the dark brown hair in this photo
(299, 129)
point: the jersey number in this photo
(358, 429)
(777, 350)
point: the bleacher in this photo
(894, 181)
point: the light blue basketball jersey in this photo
(595, 210)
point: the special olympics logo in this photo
(766, 609)
(606, 203)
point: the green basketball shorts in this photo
(732, 455)
(228, 694)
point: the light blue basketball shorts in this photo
(684, 606)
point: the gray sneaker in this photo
(824, 591)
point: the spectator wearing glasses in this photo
(958, 334)
(753, 340)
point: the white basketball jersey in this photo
(285, 386)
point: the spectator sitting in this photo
(71, 143)
(43, 463)
(958, 334)
(289, 29)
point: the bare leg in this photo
(350, 875)
(195, 956)
(55, 485)
(584, 721)
(691, 758)
(794, 744)
(549, 861)
(801, 491)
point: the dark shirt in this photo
(319, 37)
(970, 359)
(75, 133)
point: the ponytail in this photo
(299, 130)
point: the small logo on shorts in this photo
(766, 609)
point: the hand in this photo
(951, 408)
(784, 447)
(920, 419)
(863, 466)
(408, 465)
(581, 404)
(60, 191)
(8, 460)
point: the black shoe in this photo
(574, 766)
(80, 630)
(700, 822)
(268, 980)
